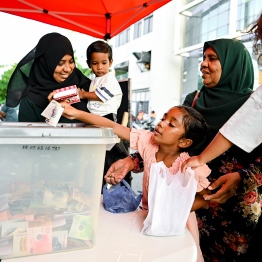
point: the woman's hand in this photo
(50, 96)
(228, 184)
(118, 170)
(2, 115)
(193, 162)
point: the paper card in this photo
(53, 112)
(70, 93)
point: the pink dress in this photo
(142, 141)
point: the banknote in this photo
(6, 247)
(4, 199)
(20, 245)
(19, 190)
(76, 206)
(4, 207)
(39, 240)
(12, 227)
(79, 196)
(78, 243)
(5, 215)
(56, 195)
(18, 205)
(58, 222)
(59, 240)
(81, 227)
(23, 216)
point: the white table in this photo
(119, 240)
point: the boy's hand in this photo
(81, 93)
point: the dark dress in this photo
(226, 229)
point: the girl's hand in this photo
(69, 111)
(118, 170)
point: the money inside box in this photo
(50, 187)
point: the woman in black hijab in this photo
(33, 79)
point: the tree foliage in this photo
(86, 71)
(4, 79)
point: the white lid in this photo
(63, 133)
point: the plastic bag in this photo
(121, 198)
(170, 198)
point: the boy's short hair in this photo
(100, 47)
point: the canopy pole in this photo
(108, 26)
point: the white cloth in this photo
(107, 88)
(170, 199)
(244, 128)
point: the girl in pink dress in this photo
(178, 135)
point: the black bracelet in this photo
(140, 161)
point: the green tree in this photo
(4, 79)
(86, 71)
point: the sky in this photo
(20, 35)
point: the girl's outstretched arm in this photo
(72, 113)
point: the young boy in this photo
(105, 93)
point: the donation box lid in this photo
(63, 133)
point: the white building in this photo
(169, 44)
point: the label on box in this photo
(70, 93)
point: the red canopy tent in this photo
(98, 18)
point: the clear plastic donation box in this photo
(50, 186)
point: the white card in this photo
(53, 112)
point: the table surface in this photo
(119, 240)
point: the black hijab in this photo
(33, 76)
(219, 103)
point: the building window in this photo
(206, 21)
(140, 101)
(247, 13)
(123, 37)
(148, 24)
(121, 70)
(137, 29)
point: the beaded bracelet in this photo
(138, 161)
